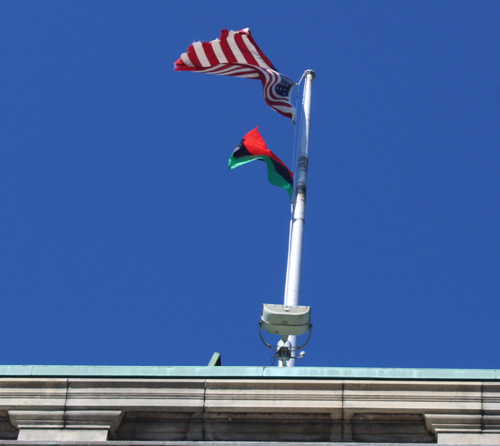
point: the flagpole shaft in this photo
(292, 296)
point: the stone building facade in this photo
(236, 405)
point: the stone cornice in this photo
(224, 409)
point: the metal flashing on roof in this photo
(236, 372)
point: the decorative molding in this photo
(464, 428)
(457, 423)
(128, 409)
(37, 419)
(44, 425)
(70, 419)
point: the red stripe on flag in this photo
(225, 47)
(244, 49)
(255, 144)
(179, 65)
(249, 34)
(193, 57)
(209, 52)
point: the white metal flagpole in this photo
(292, 287)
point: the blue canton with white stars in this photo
(283, 88)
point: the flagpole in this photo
(292, 287)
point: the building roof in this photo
(245, 372)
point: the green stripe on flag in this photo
(272, 175)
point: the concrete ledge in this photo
(482, 439)
(36, 436)
(247, 372)
(253, 411)
(202, 443)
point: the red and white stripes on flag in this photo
(237, 54)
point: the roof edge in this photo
(248, 372)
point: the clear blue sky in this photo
(125, 239)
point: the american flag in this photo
(237, 54)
